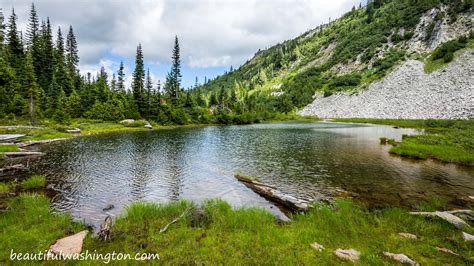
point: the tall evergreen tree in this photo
(34, 90)
(149, 92)
(2, 27)
(33, 27)
(121, 78)
(44, 67)
(14, 46)
(60, 67)
(138, 82)
(72, 56)
(173, 80)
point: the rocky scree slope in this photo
(408, 93)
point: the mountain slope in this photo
(348, 54)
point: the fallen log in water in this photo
(270, 193)
(22, 153)
(34, 142)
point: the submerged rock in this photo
(108, 207)
(68, 246)
(400, 258)
(347, 254)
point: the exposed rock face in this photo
(408, 93)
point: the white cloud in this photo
(213, 33)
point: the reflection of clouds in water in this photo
(302, 159)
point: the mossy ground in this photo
(243, 236)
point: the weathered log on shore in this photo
(449, 217)
(22, 153)
(12, 169)
(34, 142)
(10, 137)
(270, 193)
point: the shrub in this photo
(346, 80)
(447, 49)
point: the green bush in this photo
(447, 49)
(346, 80)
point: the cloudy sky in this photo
(213, 34)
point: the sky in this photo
(213, 34)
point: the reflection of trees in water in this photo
(142, 165)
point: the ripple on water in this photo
(199, 163)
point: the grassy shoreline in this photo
(226, 235)
(447, 141)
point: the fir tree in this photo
(173, 80)
(33, 27)
(34, 90)
(60, 65)
(121, 78)
(44, 66)
(72, 57)
(2, 28)
(149, 92)
(14, 46)
(138, 82)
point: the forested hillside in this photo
(349, 53)
(40, 80)
(39, 76)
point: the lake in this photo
(302, 159)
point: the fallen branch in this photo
(162, 230)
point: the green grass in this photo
(5, 188)
(36, 181)
(8, 148)
(29, 225)
(253, 236)
(223, 235)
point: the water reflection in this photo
(197, 164)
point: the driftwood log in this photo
(34, 142)
(105, 228)
(270, 193)
(22, 153)
(448, 217)
(12, 169)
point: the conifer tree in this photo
(44, 67)
(72, 57)
(138, 82)
(2, 28)
(14, 46)
(149, 92)
(34, 90)
(173, 80)
(33, 27)
(121, 78)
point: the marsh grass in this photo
(29, 225)
(33, 182)
(4, 187)
(253, 236)
(242, 236)
(8, 148)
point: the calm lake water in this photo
(303, 159)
